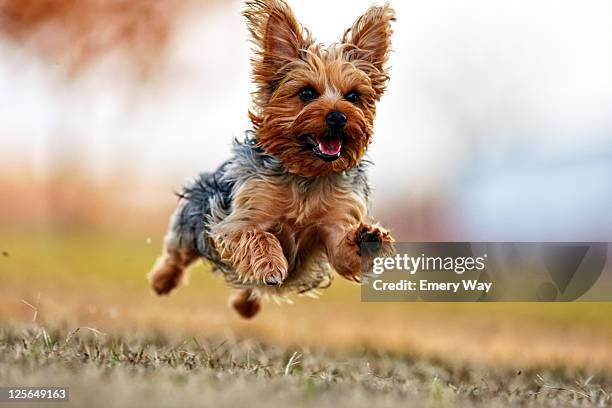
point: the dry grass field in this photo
(75, 310)
(152, 370)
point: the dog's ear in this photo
(369, 41)
(277, 36)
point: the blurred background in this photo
(497, 125)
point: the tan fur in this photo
(276, 226)
(284, 231)
(348, 260)
(246, 303)
(287, 59)
(167, 272)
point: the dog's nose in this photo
(335, 119)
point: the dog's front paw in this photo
(256, 255)
(267, 263)
(372, 240)
(273, 273)
(355, 253)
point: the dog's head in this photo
(314, 106)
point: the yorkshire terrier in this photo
(291, 203)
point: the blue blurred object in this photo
(532, 194)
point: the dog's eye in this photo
(352, 97)
(308, 94)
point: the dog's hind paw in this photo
(245, 303)
(165, 276)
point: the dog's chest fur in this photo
(305, 215)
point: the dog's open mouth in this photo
(326, 147)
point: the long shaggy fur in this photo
(279, 216)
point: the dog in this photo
(291, 204)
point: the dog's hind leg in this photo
(187, 235)
(169, 269)
(246, 303)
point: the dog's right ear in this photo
(278, 39)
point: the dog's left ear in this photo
(369, 41)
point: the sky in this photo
(478, 89)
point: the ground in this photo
(104, 370)
(75, 310)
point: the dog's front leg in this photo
(346, 252)
(256, 254)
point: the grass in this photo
(149, 369)
(190, 349)
(87, 259)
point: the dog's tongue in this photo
(330, 145)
